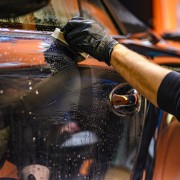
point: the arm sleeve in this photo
(168, 97)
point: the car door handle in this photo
(124, 100)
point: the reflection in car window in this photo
(57, 14)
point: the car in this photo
(63, 120)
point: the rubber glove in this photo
(85, 35)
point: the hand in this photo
(88, 36)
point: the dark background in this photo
(141, 8)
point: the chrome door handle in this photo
(124, 100)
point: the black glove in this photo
(88, 36)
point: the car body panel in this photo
(62, 100)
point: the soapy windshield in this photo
(57, 14)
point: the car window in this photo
(57, 14)
(56, 118)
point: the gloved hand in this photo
(88, 36)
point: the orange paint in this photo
(167, 156)
(100, 16)
(8, 170)
(84, 170)
(165, 15)
(22, 52)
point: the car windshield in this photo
(57, 14)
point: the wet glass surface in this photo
(58, 13)
(64, 121)
(55, 117)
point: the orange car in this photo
(63, 120)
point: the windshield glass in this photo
(57, 14)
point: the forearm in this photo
(139, 72)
